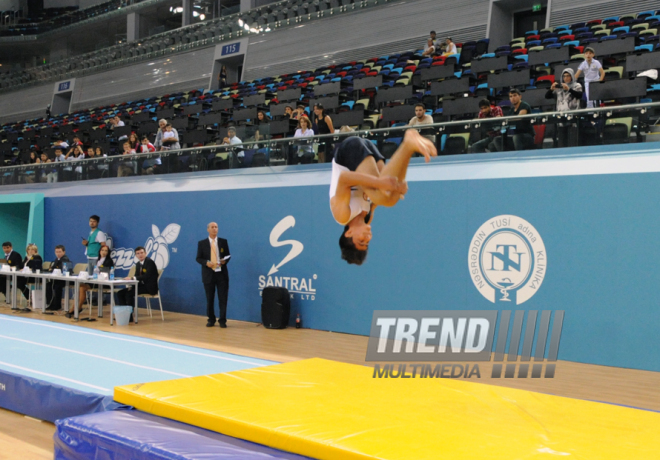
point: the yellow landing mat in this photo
(329, 410)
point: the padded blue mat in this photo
(129, 434)
(51, 370)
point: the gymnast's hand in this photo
(388, 184)
(403, 189)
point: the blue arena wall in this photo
(593, 210)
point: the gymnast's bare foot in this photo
(417, 143)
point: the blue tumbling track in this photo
(50, 370)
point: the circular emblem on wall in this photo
(507, 260)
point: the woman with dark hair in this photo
(134, 141)
(361, 181)
(104, 262)
(262, 118)
(324, 126)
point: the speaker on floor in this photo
(275, 307)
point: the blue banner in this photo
(583, 244)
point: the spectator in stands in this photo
(486, 110)
(126, 168)
(430, 48)
(76, 141)
(222, 77)
(569, 96)
(34, 262)
(420, 118)
(305, 152)
(76, 153)
(102, 167)
(92, 169)
(592, 70)
(30, 176)
(323, 126)
(115, 122)
(61, 143)
(134, 141)
(158, 143)
(262, 118)
(47, 174)
(231, 138)
(568, 93)
(170, 138)
(450, 47)
(522, 135)
(288, 112)
(150, 166)
(299, 112)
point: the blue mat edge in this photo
(49, 401)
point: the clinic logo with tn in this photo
(507, 260)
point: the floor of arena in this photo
(27, 438)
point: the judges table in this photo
(42, 278)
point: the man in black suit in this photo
(54, 288)
(13, 259)
(146, 273)
(213, 255)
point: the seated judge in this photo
(13, 259)
(34, 262)
(146, 273)
(54, 288)
(104, 263)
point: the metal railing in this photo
(629, 123)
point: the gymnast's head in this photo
(354, 241)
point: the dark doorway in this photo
(524, 21)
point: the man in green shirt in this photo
(94, 242)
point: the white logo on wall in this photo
(302, 286)
(507, 260)
(156, 248)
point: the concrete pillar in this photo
(186, 16)
(132, 27)
(246, 5)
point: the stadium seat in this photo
(614, 73)
(617, 130)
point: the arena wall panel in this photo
(588, 206)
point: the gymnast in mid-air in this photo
(361, 181)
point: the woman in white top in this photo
(305, 130)
(361, 181)
(451, 48)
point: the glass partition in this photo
(259, 146)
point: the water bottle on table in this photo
(96, 273)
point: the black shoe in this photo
(223, 325)
(68, 314)
(210, 323)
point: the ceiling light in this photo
(202, 16)
(240, 22)
(195, 14)
(246, 27)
